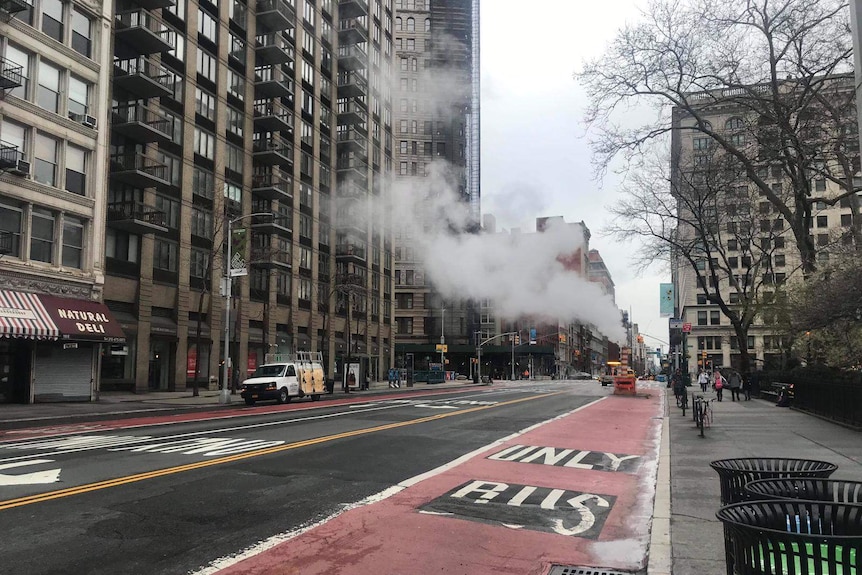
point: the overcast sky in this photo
(535, 155)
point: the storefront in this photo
(51, 346)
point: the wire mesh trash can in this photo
(835, 490)
(789, 537)
(733, 474)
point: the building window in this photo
(204, 143)
(165, 255)
(79, 96)
(235, 158)
(203, 182)
(121, 246)
(404, 325)
(235, 121)
(235, 84)
(48, 94)
(714, 317)
(207, 26)
(846, 220)
(206, 65)
(76, 168)
(52, 19)
(82, 33)
(202, 223)
(45, 171)
(21, 58)
(171, 209)
(11, 217)
(233, 192)
(701, 318)
(42, 236)
(198, 263)
(205, 103)
(73, 242)
(822, 221)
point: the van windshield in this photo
(268, 371)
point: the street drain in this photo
(576, 570)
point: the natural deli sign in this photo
(86, 321)
(83, 320)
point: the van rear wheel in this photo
(283, 396)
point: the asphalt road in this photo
(173, 498)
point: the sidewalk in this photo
(121, 405)
(755, 428)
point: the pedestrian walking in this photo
(746, 386)
(735, 384)
(719, 384)
(391, 377)
(703, 380)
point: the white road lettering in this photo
(207, 446)
(577, 459)
(550, 455)
(588, 519)
(488, 490)
(33, 478)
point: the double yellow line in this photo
(38, 498)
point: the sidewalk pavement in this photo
(122, 405)
(755, 428)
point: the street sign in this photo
(238, 272)
(674, 323)
(442, 347)
(686, 327)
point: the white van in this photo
(285, 376)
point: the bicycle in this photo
(702, 413)
(682, 400)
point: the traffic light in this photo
(517, 339)
(562, 338)
(640, 339)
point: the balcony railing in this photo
(143, 78)
(353, 138)
(141, 123)
(350, 250)
(276, 14)
(142, 32)
(273, 116)
(9, 155)
(273, 48)
(353, 30)
(351, 112)
(11, 74)
(272, 186)
(352, 8)
(351, 84)
(139, 171)
(352, 57)
(136, 217)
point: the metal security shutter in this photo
(63, 374)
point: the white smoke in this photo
(522, 274)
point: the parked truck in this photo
(285, 376)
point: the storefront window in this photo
(118, 361)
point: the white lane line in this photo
(46, 444)
(266, 544)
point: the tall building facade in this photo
(55, 75)
(752, 244)
(144, 141)
(437, 133)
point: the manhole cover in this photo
(576, 570)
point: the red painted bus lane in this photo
(577, 490)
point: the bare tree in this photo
(783, 67)
(254, 249)
(701, 215)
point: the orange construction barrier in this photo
(625, 385)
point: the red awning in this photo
(83, 320)
(23, 315)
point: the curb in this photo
(660, 551)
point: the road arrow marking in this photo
(34, 478)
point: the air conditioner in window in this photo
(89, 121)
(22, 168)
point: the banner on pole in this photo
(666, 300)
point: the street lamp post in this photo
(224, 395)
(443, 338)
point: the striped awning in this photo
(23, 315)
